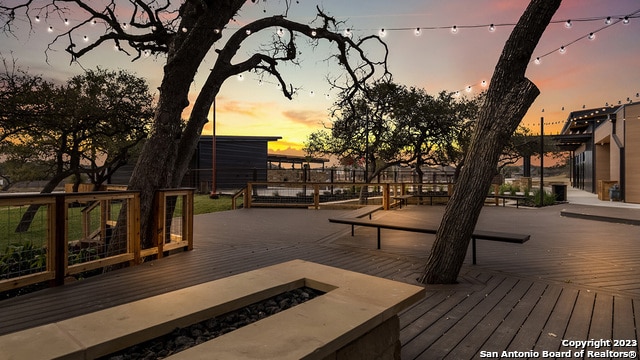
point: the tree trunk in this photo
(509, 97)
(156, 164)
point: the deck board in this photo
(528, 297)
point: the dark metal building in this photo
(239, 159)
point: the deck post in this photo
(59, 240)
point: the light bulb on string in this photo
(382, 33)
(124, 26)
(37, 18)
(568, 24)
(240, 77)
(85, 38)
(537, 61)
(625, 20)
(312, 93)
(492, 28)
(347, 33)
(468, 88)
(562, 49)
(280, 32)
(248, 32)
(66, 22)
(50, 29)
(216, 31)
(327, 96)
(184, 29)
(94, 21)
(314, 33)
(484, 83)
(454, 29)
(607, 21)
(591, 36)
(417, 32)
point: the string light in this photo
(417, 31)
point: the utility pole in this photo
(542, 161)
(213, 194)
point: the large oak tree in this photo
(184, 34)
(508, 98)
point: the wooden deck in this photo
(575, 279)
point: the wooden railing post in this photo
(187, 219)
(161, 203)
(316, 196)
(134, 229)
(247, 196)
(386, 198)
(59, 238)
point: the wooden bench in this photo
(504, 198)
(360, 213)
(402, 199)
(431, 196)
(477, 234)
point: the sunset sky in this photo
(589, 73)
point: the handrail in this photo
(235, 197)
(308, 194)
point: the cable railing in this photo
(314, 195)
(47, 238)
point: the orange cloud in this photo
(311, 118)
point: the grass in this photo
(202, 204)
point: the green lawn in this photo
(202, 204)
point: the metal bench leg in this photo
(352, 226)
(473, 249)
(378, 238)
